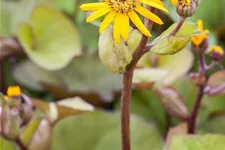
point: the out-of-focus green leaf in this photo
(173, 44)
(68, 6)
(177, 65)
(84, 75)
(169, 68)
(88, 74)
(149, 75)
(214, 125)
(13, 13)
(102, 130)
(6, 145)
(51, 41)
(198, 142)
(63, 108)
(31, 75)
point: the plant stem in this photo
(194, 114)
(125, 108)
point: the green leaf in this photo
(101, 130)
(13, 13)
(177, 65)
(81, 75)
(32, 76)
(172, 44)
(7, 145)
(215, 124)
(68, 6)
(51, 41)
(198, 142)
(170, 68)
(88, 74)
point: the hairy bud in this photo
(216, 53)
(185, 10)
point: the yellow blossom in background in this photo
(217, 49)
(13, 91)
(121, 12)
(182, 2)
(198, 39)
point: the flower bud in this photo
(197, 78)
(26, 113)
(186, 10)
(197, 2)
(216, 53)
(201, 48)
(11, 122)
(114, 56)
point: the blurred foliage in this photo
(62, 62)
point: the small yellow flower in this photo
(217, 49)
(198, 39)
(122, 11)
(5, 98)
(13, 91)
(182, 2)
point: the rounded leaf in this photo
(51, 40)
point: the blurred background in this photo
(52, 53)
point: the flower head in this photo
(13, 91)
(181, 2)
(198, 39)
(122, 11)
(216, 53)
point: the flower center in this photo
(184, 2)
(122, 6)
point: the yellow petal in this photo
(98, 14)
(157, 1)
(117, 29)
(155, 5)
(124, 19)
(108, 19)
(188, 2)
(174, 2)
(146, 13)
(136, 20)
(200, 25)
(92, 6)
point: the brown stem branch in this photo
(194, 114)
(127, 88)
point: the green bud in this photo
(115, 57)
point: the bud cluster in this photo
(14, 113)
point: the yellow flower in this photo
(13, 91)
(217, 49)
(182, 2)
(122, 11)
(198, 39)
